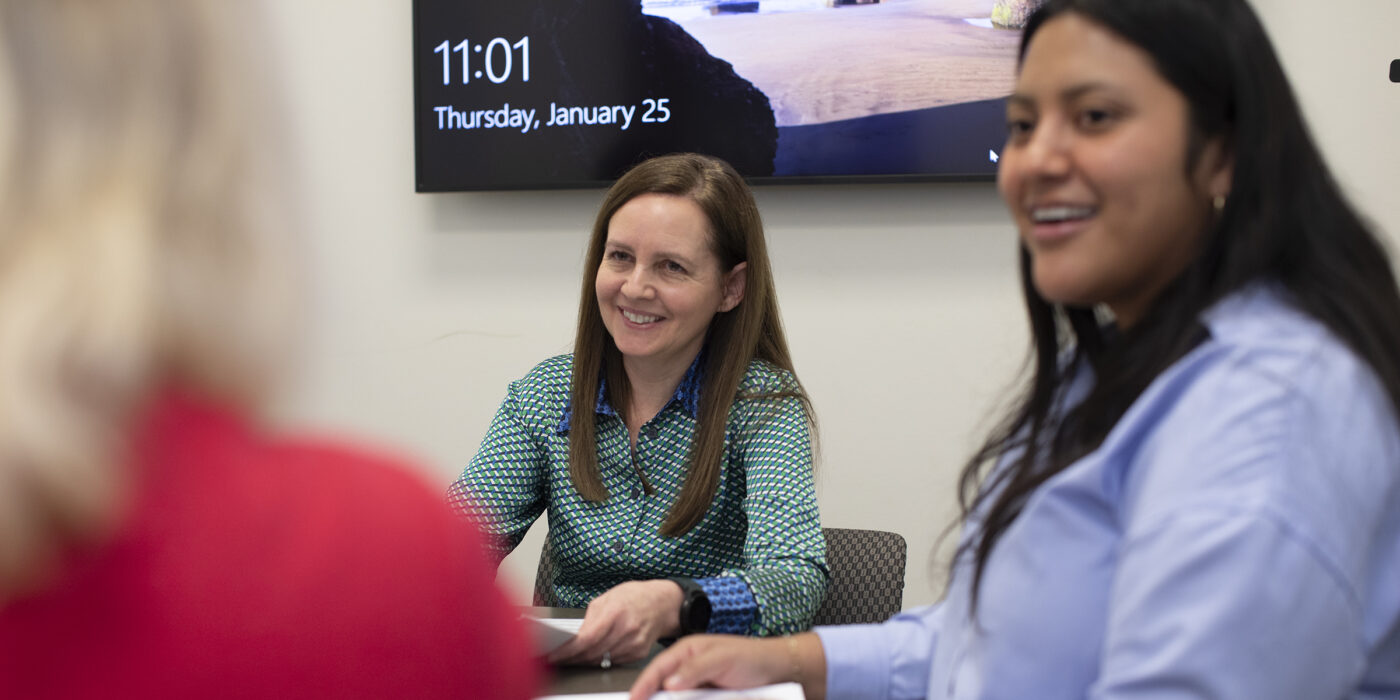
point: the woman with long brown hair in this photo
(672, 449)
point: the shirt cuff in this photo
(856, 666)
(889, 660)
(733, 609)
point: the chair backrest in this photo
(867, 576)
(544, 577)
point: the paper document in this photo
(781, 691)
(550, 633)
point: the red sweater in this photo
(266, 568)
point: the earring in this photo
(1219, 203)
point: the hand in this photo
(623, 623)
(724, 661)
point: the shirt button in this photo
(618, 546)
(635, 492)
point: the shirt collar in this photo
(687, 395)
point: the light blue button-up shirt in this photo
(1236, 535)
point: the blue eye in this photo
(673, 266)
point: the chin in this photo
(1060, 285)
(1064, 297)
(634, 351)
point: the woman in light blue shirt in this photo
(1199, 493)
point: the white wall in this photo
(899, 300)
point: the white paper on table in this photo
(550, 633)
(781, 691)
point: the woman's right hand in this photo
(725, 661)
(623, 623)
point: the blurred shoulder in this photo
(367, 504)
(316, 558)
(1261, 333)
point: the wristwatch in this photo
(695, 606)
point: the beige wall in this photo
(899, 299)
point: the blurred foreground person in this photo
(155, 541)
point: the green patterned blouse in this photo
(759, 552)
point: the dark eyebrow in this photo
(1076, 91)
(1069, 94)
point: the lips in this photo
(638, 318)
(1055, 222)
(1060, 213)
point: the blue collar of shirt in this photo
(687, 395)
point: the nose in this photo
(637, 284)
(1047, 152)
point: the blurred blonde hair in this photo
(143, 244)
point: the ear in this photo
(1217, 169)
(734, 282)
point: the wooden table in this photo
(576, 680)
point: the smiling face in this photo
(660, 284)
(1095, 170)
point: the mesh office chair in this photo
(867, 576)
(544, 576)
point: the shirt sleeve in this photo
(889, 661)
(732, 606)
(1186, 621)
(504, 488)
(784, 551)
(1249, 521)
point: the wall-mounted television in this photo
(536, 94)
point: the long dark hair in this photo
(751, 330)
(1285, 221)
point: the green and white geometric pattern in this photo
(762, 528)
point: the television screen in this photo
(569, 93)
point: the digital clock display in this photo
(496, 58)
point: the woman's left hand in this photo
(622, 623)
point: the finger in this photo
(577, 652)
(633, 641)
(627, 639)
(631, 648)
(611, 632)
(706, 666)
(730, 662)
(607, 646)
(660, 668)
(586, 644)
(626, 652)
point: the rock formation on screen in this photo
(1012, 14)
